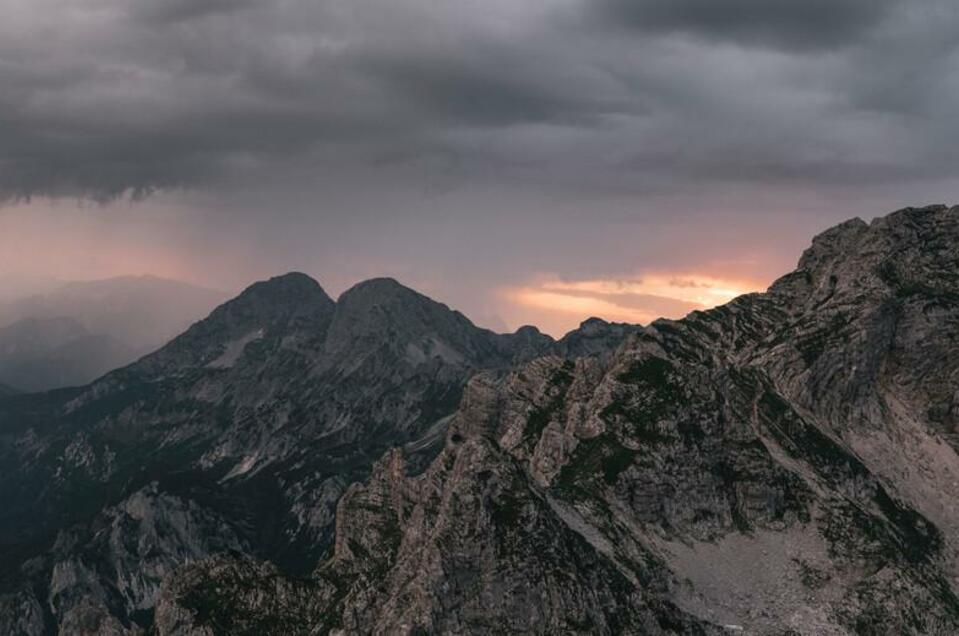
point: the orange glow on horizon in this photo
(560, 305)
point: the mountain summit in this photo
(277, 308)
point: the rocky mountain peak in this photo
(384, 294)
(908, 251)
(279, 298)
(835, 243)
(377, 288)
(381, 310)
(289, 306)
(528, 331)
(594, 336)
(593, 325)
(528, 335)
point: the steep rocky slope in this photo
(240, 435)
(785, 464)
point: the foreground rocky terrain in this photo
(784, 464)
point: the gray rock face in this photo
(21, 614)
(132, 548)
(785, 464)
(240, 435)
(595, 337)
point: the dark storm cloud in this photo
(120, 96)
(489, 88)
(171, 11)
(791, 24)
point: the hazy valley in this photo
(78, 331)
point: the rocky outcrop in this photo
(132, 548)
(594, 337)
(21, 614)
(784, 464)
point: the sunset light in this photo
(562, 304)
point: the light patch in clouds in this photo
(559, 305)
(705, 291)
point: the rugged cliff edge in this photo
(785, 464)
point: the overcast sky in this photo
(524, 161)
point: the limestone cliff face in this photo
(785, 464)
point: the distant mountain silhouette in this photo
(143, 312)
(41, 354)
(80, 331)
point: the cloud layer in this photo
(521, 161)
(102, 97)
(778, 24)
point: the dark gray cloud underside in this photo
(166, 12)
(137, 95)
(789, 24)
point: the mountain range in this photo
(78, 331)
(39, 354)
(784, 464)
(240, 434)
